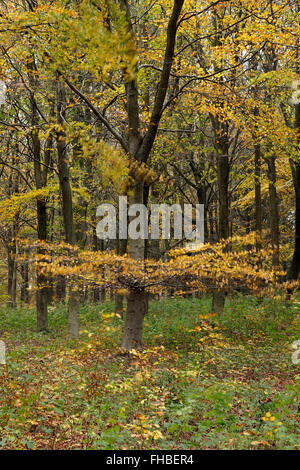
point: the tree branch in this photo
(149, 138)
(96, 112)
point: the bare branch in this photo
(96, 112)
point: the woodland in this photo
(142, 343)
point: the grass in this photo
(202, 382)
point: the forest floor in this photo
(201, 383)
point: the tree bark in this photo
(137, 307)
(24, 295)
(223, 171)
(60, 288)
(42, 291)
(258, 206)
(139, 149)
(294, 270)
(12, 246)
(67, 206)
(274, 210)
(223, 187)
(137, 300)
(12, 272)
(119, 298)
(40, 177)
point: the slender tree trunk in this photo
(119, 298)
(40, 176)
(223, 186)
(95, 294)
(42, 291)
(12, 272)
(271, 63)
(60, 280)
(24, 296)
(257, 184)
(274, 210)
(14, 287)
(60, 288)
(201, 196)
(223, 171)
(67, 206)
(294, 270)
(12, 247)
(11, 276)
(212, 231)
(258, 206)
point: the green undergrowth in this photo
(203, 381)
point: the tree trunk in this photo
(12, 274)
(42, 291)
(40, 177)
(95, 294)
(223, 182)
(12, 247)
(294, 270)
(223, 170)
(257, 184)
(274, 210)
(60, 288)
(24, 296)
(201, 196)
(73, 313)
(137, 300)
(258, 206)
(137, 308)
(119, 298)
(67, 206)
